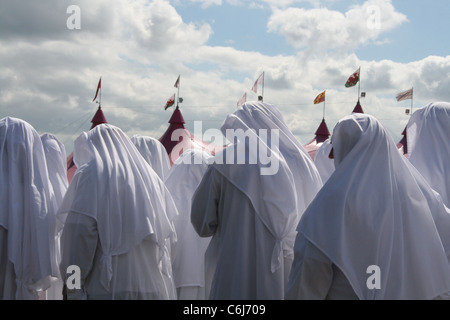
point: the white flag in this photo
(405, 95)
(177, 83)
(242, 100)
(257, 82)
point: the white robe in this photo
(239, 257)
(188, 253)
(428, 132)
(117, 221)
(307, 180)
(27, 213)
(376, 210)
(250, 216)
(55, 153)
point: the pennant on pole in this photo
(177, 83)
(353, 79)
(257, 82)
(405, 95)
(242, 100)
(170, 102)
(320, 98)
(99, 86)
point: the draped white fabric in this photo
(56, 157)
(252, 216)
(188, 254)
(117, 188)
(55, 153)
(307, 180)
(324, 164)
(266, 192)
(154, 153)
(27, 208)
(377, 210)
(428, 133)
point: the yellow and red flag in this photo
(320, 98)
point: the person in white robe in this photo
(324, 164)
(252, 216)
(56, 158)
(154, 153)
(260, 115)
(428, 133)
(27, 214)
(372, 230)
(117, 222)
(188, 253)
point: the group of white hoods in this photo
(371, 223)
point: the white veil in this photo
(376, 209)
(28, 207)
(115, 186)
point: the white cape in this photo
(28, 208)
(188, 254)
(154, 153)
(377, 210)
(428, 133)
(117, 188)
(251, 216)
(55, 153)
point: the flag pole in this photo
(262, 91)
(359, 84)
(178, 88)
(324, 107)
(412, 99)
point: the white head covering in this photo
(261, 115)
(154, 153)
(188, 255)
(307, 180)
(55, 153)
(376, 210)
(27, 208)
(273, 196)
(324, 164)
(428, 133)
(115, 186)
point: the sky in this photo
(53, 52)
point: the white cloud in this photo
(321, 30)
(207, 3)
(139, 47)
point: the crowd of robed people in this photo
(360, 221)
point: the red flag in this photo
(320, 98)
(99, 86)
(170, 102)
(353, 80)
(177, 83)
(257, 82)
